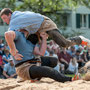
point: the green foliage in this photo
(50, 8)
(8, 4)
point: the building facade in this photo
(77, 19)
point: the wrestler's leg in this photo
(60, 39)
(49, 61)
(45, 71)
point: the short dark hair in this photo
(6, 11)
(78, 51)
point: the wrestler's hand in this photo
(13, 52)
(44, 35)
(18, 56)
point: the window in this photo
(20, 0)
(82, 21)
(89, 20)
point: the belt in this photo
(29, 61)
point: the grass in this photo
(72, 75)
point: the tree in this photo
(8, 4)
(50, 8)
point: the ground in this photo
(44, 84)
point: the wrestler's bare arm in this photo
(10, 36)
(43, 45)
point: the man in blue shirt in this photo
(9, 70)
(34, 22)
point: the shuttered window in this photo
(77, 20)
(89, 20)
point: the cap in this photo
(11, 59)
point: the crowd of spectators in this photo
(70, 59)
(7, 68)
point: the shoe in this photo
(85, 41)
(32, 81)
(75, 40)
(76, 77)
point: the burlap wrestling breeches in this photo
(47, 25)
(23, 70)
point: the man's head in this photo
(72, 48)
(6, 15)
(11, 62)
(78, 52)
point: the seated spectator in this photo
(1, 43)
(51, 53)
(9, 70)
(64, 58)
(46, 53)
(79, 59)
(6, 47)
(1, 51)
(71, 51)
(57, 67)
(1, 46)
(50, 45)
(6, 57)
(55, 45)
(88, 54)
(1, 67)
(62, 68)
(76, 47)
(84, 56)
(81, 49)
(73, 67)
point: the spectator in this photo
(79, 59)
(71, 51)
(51, 53)
(64, 58)
(6, 47)
(6, 57)
(50, 45)
(1, 50)
(1, 66)
(46, 53)
(9, 70)
(81, 49)
(1, 43)
(88, 54)
(73, 67)
(84, 56)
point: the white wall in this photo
(3, 29)
(83, 10)
(72, 20)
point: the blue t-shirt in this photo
(6, 57)
(24, 47)
(9, 69)
(21, 20)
